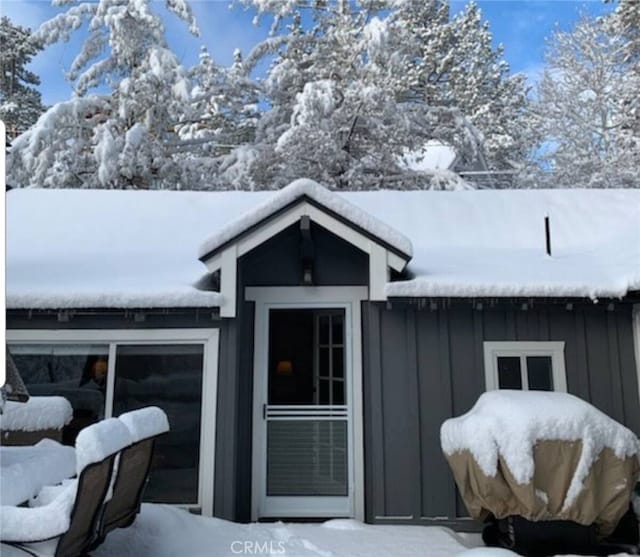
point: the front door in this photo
(303, 433)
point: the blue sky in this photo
(521, 26)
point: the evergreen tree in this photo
(625, 22)
(20, 101)
(450, 62)
(585, 109)
(129, 137)
(369, 81)
(222, 116)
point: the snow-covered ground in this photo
(164, 531)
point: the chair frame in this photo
(88, 540)
(124, 520)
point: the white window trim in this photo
(112, 337)
(380, 258)
(636, 340)
(555, 349)
(347, 297)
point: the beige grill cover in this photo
(603, 500)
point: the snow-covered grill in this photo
(542, 456)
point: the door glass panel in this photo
(291, 341)
(77, 372)
(338, 362)
(338, 392)
(539, 373)
(170, 377)
(337, 332)
(323, 361)
(306, 447)
(307, 457)
(323, 329)
(323, 397)
(509, 376)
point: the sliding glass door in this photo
(173, 370)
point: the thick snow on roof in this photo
(507, 424)
(99, 248)
(492, 243)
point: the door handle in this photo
(264, 411)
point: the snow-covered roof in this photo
(309, 189)
(114, 248)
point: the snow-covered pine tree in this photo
(127, 137)
(451, 62)
(583, 109)
(337, 109)
(625, 22)
(20, 101)
(222, 115)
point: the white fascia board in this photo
(228, 272)
(214, 264)
(396, 262)
(380, 258)
(378, 272)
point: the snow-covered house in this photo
(307, 345)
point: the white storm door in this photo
(303, 430)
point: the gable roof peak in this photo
(312, 191)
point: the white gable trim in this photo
(380, 258)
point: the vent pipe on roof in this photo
(547, 231)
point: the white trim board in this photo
(113, 337)
(310, 297)
(381, 259)
(522, 349)
(636, 340)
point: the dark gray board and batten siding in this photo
(423, 366)
(420, 368)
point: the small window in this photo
(533, 366)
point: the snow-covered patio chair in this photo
(39, 417)
(65, 521)
(134, 465)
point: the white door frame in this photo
(113, 337)
(636, 339)
(308, 297)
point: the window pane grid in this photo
(535, 370)
(329, 359)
